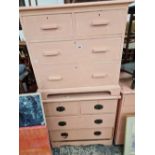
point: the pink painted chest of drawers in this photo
(84, 118)
(126, 106)
(76, 46)
(75, 51)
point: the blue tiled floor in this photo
(88, 150)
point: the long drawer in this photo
(81, 134)
(80, 51)
(81, 122)
(77, 75)
(80, 107)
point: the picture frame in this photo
(129, 145)
(31, 111)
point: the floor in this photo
(89, 150)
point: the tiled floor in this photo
(89, 150)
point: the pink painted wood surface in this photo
(129, 100)
(126, 106)
(86, 25)
(120, 130)
(80, 51)
(34, 20)
(81, 134)
(79, 96)
(119, 139)
(100, 22)
(98, 107)
(77, 75)
(80, 107)
(120, 123)
(46, 27)
(128, 109)
(62, 108)
(76, 5)
(80, 122)
(89, 26)
(89, 93)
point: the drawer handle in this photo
(98, 107)
(99, 75)
(64, 135)
(54, 78)
(99, 23)
(98, 121)
(51, 53)
(50, 27)
(97, 133)
(62, 123)
(98, 50)
(60, 109)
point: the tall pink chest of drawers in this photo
(75, 50)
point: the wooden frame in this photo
(129, 147)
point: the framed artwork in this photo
(31, 112)
(129, 145)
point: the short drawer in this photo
(81, 134)
(61, 108)
(98, 23)
(80, 122)
(98, 106)
(47, 27)
(92, 50)
(77, 75)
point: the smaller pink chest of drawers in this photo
(126, 106)
(81, 119)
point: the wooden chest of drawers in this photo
(77, 117)
(76, 46)
(126, 106)
(75, 51)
